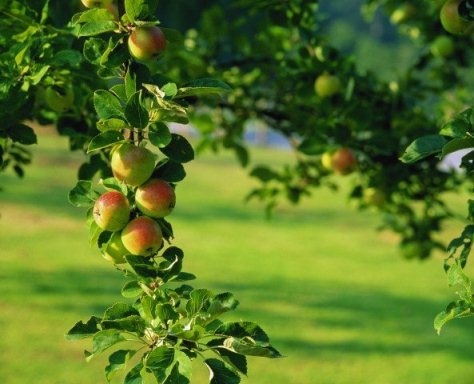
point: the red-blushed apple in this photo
(111, 211)
(132, 164)
(452, 21)
(343, 161)
(115, 251)
(96, 3)
(145, 43)
(155, 198)
(142, 236)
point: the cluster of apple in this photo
(132, 218)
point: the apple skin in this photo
(111, 211)
(327, 85)
(155, 198)
(442, 46)
(96, 3)
(131, 164)
(59, 101)
(452, 22)
(142, 236)
(343, 161)
(115, 251)
(145, 43)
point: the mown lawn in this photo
(332, 293)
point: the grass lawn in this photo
(332, 293)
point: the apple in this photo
(155, 198)
(452, 21)
(115, 251)
(403, 13)
(59, 99)
(442, 46)
(327, 85)
(142, 236)
(145, 43)
(343, 161)
(132, 164)
(111, 211)
(96, 3)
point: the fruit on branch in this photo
(132, 164)
(111, 211)
(327, 85)
(142, 236)
(442, 46)
(452, 21)
(115, 251)
(96, 3)
(155, 198)
(59, 99)
(145, 43)
(343, 161)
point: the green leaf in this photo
(119, 311)
(107, 105)
(455, 309)
(104, 140)
(170, 89)
(457, 145)
(131, 289)
(134, 376)
(264, 173)
(237, 361)
(103, 340)
(142, 266)
(249, 347)
(166, 312)
(130, 83)
(182, 370)
(243, 329)
(179, 149)
(135, 113)
(199, 299)
(82, 195)
(118, 362)
(456, 128)
(170, 171)
(205, 86)
(140, 9)
(160, 362)
(314, 145)
(423, 147)
(112, 124)
(134, 324)
(159, 135)
(220, 373)
(84, 330)
(222, 303)
(21, 133)
(94, 49)
(94, 28)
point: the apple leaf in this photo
(171, 171)
(220, 373)
(131, 289)
(140, 9)
(179, 149)
(457, 144)
(22, 133)
(84, 330)
(104, 140)
(112, 124)
(160, 362)
(82, 195)
(118, 361)
(203, 86)
(134, 376)
(96, 28)
(103, 340)
(107, 105)
(135, 113)
(159, 135)
(423, 147)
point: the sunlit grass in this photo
(331, 292)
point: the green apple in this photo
(155, 198)
(142, 236)
(132, 164)
(145, 43)
(111, 211)
(96, 3)
(452, 21)
(327, 85)
(59, 99)
(343, 161)
(115, 251)
(442, 46)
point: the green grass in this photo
(332, 293)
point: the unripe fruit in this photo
(155, 198)
(452, 21)
(59, 99)
(142, 236)
(442, 46)
(115, 250)
(327, 85)
(131, 164)
(111, 211)
(145, 43)
(343, 161)
(96, 3)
